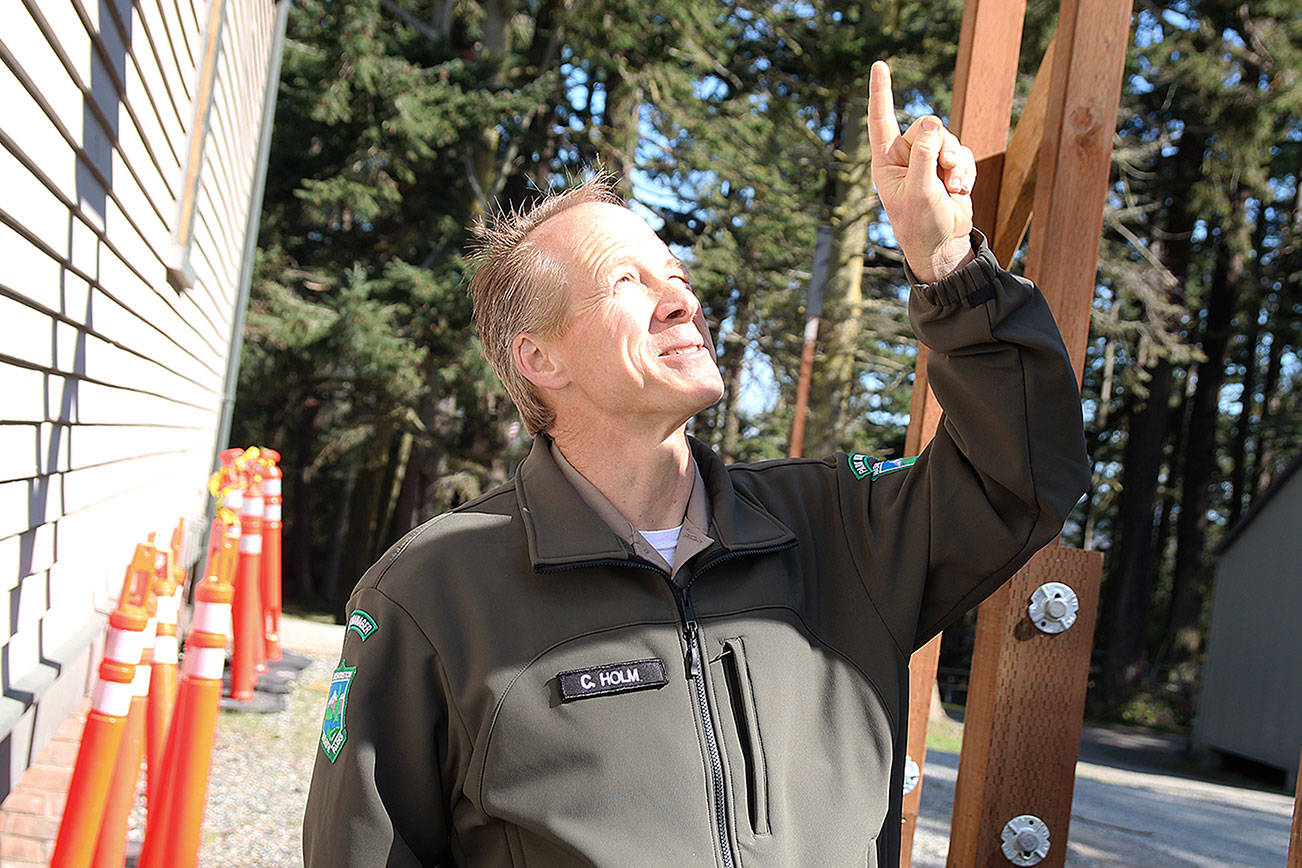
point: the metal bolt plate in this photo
(912, 774)
(1053, 607)
(1026, 840)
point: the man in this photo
(633, 654)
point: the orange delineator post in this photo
(101, 740)
(162, 693)
(248, 609)
(111, 846)
(271, 558)
(172, 833)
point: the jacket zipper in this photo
(691, 632)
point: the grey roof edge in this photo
(1258, 504)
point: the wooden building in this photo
(1252, 678)
(132, 151)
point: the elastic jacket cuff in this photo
(972, 284)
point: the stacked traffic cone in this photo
(172, 831)
(107, 722)
(162, 692)
(271, 564)
(227, 486)
(248, 641)
(110, 846)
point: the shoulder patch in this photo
(362, 623)
(860, 465)
(891, 466)
(333, 730)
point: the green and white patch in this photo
(363, 623)
(334, 732)
(882, 467)
(860, 465)
(863, 466)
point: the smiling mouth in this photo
(678, 351)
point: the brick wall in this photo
(30, 814)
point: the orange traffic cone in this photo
(172, 833)
(248, 609)
(271, 565)
(162, 693)
(111, 845)
(102, 737)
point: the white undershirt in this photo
(664, 541)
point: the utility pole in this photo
(813, 313)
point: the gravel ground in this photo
(262, 764)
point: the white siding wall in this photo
(110, 379)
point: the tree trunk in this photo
(400, 458)
(732, 363)
(620, 134)
(1264, 448)
(298, 534)
(300, 507)
(1131, 565)
(338, 535)
(835, 373)
(1101, 418)
(1183, 637)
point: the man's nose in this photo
(677, 302)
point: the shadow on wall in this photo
(77, 284)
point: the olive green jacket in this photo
(518, 688)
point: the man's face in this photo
(637, 350)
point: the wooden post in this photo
(1027, 691)
(1295, 839)
(984, 81)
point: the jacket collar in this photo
(562, 528)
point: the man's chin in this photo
(708, 398)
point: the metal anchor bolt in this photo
(1053, 607)
(1025, 840)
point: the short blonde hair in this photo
(517, 287)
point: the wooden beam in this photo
(984, 82)
(1021, 732)
(1027, 689)
(1076, 160)
(1017, 186)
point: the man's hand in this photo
(924, 178)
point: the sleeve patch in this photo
(363, 623)
(333, 731)
(864, 467)
(860, 465)
(882, 467)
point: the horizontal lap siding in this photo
(110, 379)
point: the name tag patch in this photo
(612, 678)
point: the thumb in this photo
(921, 175)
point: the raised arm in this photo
(1008, 460)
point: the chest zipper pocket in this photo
(741, 697)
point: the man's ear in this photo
(538, 362)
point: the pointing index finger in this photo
(882, 128)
